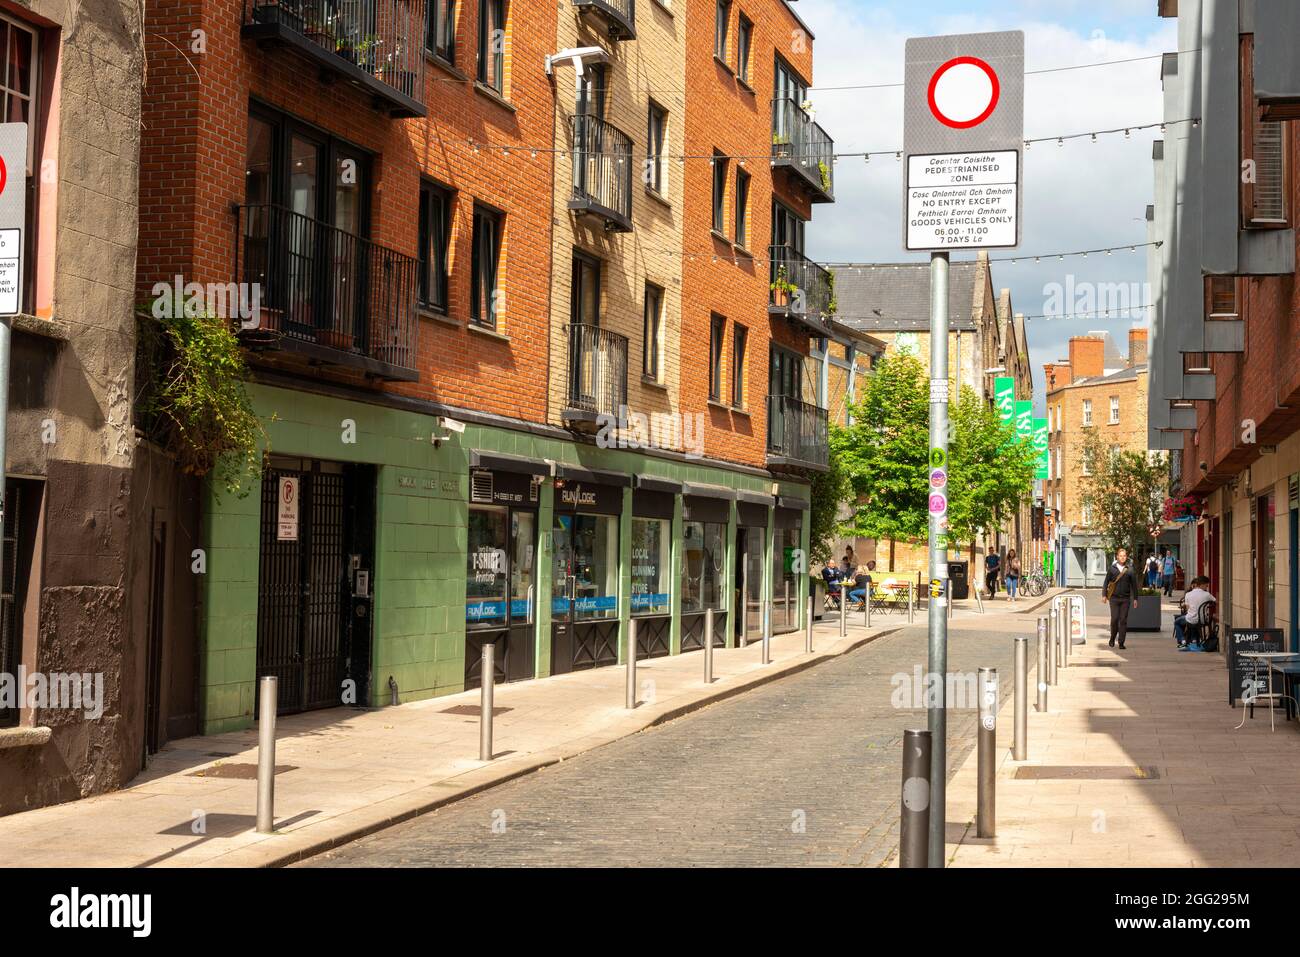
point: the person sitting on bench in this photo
(1194, 599)
(862, 583)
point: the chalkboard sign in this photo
(1241, 670)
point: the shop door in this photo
(500, 592)
(314, 582)
(584, 614)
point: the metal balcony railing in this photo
(320, 284)
(378, 44)
(602, 171)
(801, 145)
(597, 372)
(619, 16)
(797, 432)
(801, 289)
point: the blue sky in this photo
(1079, 196)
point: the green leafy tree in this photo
(1125, 492)
(990, 469)
(885, 452)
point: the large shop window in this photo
(703, 553)
(500, 579)
(594, 541)
(651, 538)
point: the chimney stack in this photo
(1137, 347)
(1057, 374)
(1087, 357)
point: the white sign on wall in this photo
(13, 213)
(286, 510)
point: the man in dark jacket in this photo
(1121, 590)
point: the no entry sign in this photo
(963, 130)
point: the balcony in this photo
(326, 295)
(797, 435)
(597, 376)
(376, 45)
(801, 291)
(802, 147)
(617, 16)
(602, 172)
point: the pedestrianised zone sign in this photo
(963, 128)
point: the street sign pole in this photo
(938, 656)
(963, 129)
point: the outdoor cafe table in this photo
(1290, 672)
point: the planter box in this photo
(1146, 616)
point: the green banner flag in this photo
(1040, 446)
(1025, 420)
(1004, 396)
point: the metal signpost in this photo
(963, 129)
(13, 214)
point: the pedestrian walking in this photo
(1121, 591)
(1012, 576)
(1153, 570)
(991, 563)
(1168, 567)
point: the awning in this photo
(754, 498)
(789, 501)
(501, 462)
(700, 490)
(575, 473)
(651, 483)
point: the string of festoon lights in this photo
(738, 255)
(479, 146)
(1126, 312)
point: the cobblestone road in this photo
(803, 771)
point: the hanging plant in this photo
(825, 172)
(193, 399)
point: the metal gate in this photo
(308, 603)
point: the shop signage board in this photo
(1241, 671)
(963, 124)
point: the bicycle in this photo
(1034, 585)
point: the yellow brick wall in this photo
(652, 66)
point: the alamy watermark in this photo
(56, 691)
(224, 300)
(674, 431)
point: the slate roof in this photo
(902, 296)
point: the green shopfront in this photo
(373, 564)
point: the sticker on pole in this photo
(963, 131)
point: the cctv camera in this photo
(1204, 467)
(451, 425)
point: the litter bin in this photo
(959, 576)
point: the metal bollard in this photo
(911, 603)
(788, 619)
(1022, 697)
(844, 610)
(487, 689)
(1041, 677)
(914, 829)
(744, 602)
(866, 607)
(1053, 645)
(808, 637)
(987, 768)
(708, 647)
(631, 664)
(767, 634)
(1062, 636)
(266, 755)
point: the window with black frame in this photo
(744, 43)
(719, 192)
(656, 136)
(654, 297)
(739, 343)
(500, 578)
(435, 234)
(742, 208)
(717, 334)
(492, 44)
(485, 264)
(440, 31)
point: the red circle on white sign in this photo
(964, 92)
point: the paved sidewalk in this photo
(1139, 762)
(346, 773)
